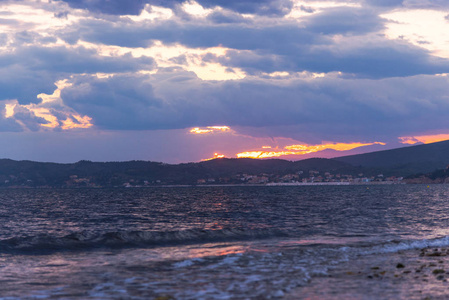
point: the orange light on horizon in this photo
(425, 139)
(209, 129)
(264, 154)
(337, 146)
(304, 149)
(216, 155)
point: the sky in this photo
(184, 81)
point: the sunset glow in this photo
(77, 122)
(304, 149)
(9, 110)
(337, 146)
(209, 129)
(287, 76)
(216, 155)
(52, 121)
(265, 154)
(425, 139)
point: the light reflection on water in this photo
(203, 242)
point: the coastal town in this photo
(223, 172)
(311, 177)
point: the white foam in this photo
(392, 248)
(186, 263)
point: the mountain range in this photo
(404, 161)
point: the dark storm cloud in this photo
(327, 106)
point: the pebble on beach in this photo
(411, 274)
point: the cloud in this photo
(210, 130)
(385, 3)
(135, 7)
(128, 7)
(226, 17)
(426, 4)
(326, 108)
(332, 74)
(7, 124)
(124, 102)
(61, 14)
(344, 20)
(375, 58)
(260, 7)
(31, 70)
(335, 40)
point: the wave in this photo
(121, 239)
(396, 246)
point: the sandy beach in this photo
(411, 274)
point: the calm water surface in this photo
(203, 243)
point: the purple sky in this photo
(121, 80)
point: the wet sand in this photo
(411, 274)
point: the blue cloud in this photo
(344, 20)
(9, 125)
(135, 7)
(226, 17)
(260, 7)
(385, 3)
(128, 7)
(308, 46)
(32, 70)
(354, 108)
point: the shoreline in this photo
(221, 185)
(409, 274)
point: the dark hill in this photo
(400, 162)
(87, 173)
(404, 161)
(229, 167)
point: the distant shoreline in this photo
(217, 185)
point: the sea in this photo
(229, 242)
